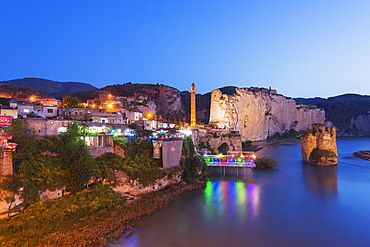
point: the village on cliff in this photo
(235, 119)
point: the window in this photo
(50, 111)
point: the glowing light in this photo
(149, 115)
(32, 98)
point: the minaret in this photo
(193, 117)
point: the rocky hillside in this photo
(259, 113)
(52, 88)
(350, 113)
(16, 91)
(167, 99)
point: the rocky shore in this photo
(107, 225)
(362, 155)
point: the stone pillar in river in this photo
(319, 146)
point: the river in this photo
(295, 204)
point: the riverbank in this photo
(365, 155)
(107, 226)
(87, 218)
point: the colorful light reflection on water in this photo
(236, 197)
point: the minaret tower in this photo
(193, 114)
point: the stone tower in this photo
(193, 113)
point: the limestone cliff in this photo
(361, 124)
(259, 113)
(319, 146)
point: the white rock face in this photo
(257, 114)
(361, 123)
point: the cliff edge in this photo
(257, 113)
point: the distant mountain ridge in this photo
(52, 88)
(348, 112)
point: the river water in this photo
(294, 204)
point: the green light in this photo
(208, 190)
(241, 193)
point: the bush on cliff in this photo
(193, 165)
(317, 154)
(265, 162)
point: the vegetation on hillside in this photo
(51, 163)
(90, 214)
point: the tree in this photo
(75, 159)
(107, 163)
(27, 143)
(11, 184)
(69, 101)
(39, 173)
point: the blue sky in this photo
(301, 48)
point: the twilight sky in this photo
(302, 48)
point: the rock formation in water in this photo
(319, 146)
(258, 113)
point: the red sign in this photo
(6, 137)
(173, 148)
(5, 120)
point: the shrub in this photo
(317, 153)
(265, 162)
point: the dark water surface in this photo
(293, 205)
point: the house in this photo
(8, 111)
(134, 116)
(108, 118)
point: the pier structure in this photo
(232, 161)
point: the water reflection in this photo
(321, 179)
(239, 198)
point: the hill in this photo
(347, 112)
(52, 88)
(16, 91)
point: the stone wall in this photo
(319, 146)
(234, 142)
(257, 114)
(42, 127)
